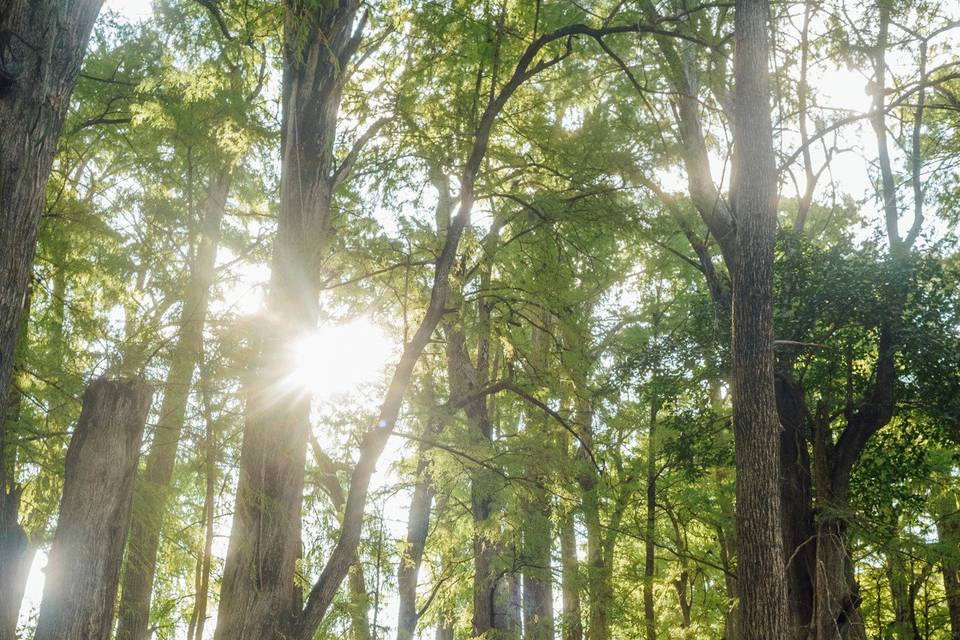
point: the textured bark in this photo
(42, 43)
(16, 552)
(87, 548)
(571, 623)
(760, 550)
(151, 495)
(259, 596)
(799, 528)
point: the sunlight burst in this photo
(339, 359)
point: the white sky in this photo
(132, 10)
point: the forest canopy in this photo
(502, 319)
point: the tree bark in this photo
(650, 529)
(42, 43)
(87, 548)
(760, 555)
(571, 623)
(418, 524)
(948, 532)
(151, 495)
(259, 594)
(796, 496)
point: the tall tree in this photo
(41, 48)
(760, 557)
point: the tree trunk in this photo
(796, 496)
(198, 617)
(87, 548)
(151, 496)
(760, 556)
(16, 552)
(599, 577)
(259, 594)
(948, 532)
(571, 624)
(650, 530)
(42, 43)
(537, 573)
(837, 601)
(408, 571)
(903, 596)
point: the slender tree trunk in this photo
(87, 548)
(537, 528)
(599, 576)
(359, 603)
(571, 624)
(903, 596)
(760, 555)
(151, 497)
(418, 524)
(650, 530)
(537, 572)
(730, 585)
(42, 43)
(198, 617)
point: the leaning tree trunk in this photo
(87, 548)
(42, 43)
(150, 504)
(760, 557)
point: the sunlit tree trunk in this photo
(760, 557)
(87, 549)
(259, 596)
(151, 496)
(198, 617)
(571, 623)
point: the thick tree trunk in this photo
(87, 548)
(571, 623)
(42, 43)
(760, 555)
(150, 502)
(837, 601)
(259, 596)
(16, 551)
